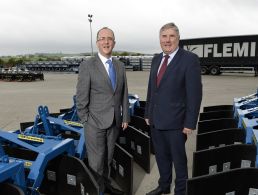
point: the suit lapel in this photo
(173, 63)
(156, 68)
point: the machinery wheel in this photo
(215, 70)
(75, 178)
(10, 189)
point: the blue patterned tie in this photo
(112, 73)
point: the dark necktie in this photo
(162, 69)
(112, 73)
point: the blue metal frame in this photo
(245, 102)
(250, 103)
(46, 147)
(241, 115)
(246, 114)
(251, 126)
(55, 126)
(245, 98)
(11, 170)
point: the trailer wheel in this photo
(215, 70)
(204, 70)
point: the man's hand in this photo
(187, 131)
(147, 121)
(124, 126)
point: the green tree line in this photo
(7, 62)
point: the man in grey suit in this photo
(102, 105)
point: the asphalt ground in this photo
(19, 102)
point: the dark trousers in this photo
(169, 148)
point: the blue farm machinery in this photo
(48, 156)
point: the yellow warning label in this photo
(72, 123)
(243, 123)
(27, 164)
(31, 138)
(254, 139)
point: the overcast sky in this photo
(30, 26)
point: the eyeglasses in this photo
(105, 39)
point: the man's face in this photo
(105, 42)
(169, 40)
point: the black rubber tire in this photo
(10, 189)
(215, 70)
(204, 70)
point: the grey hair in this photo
(170, 25)
(106, 28)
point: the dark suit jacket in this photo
(97, 103)
(175, 104)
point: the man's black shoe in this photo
(112, 190)
(158, 191)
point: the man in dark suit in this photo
(101, 96)
(172, 107)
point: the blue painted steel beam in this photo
(46, 147)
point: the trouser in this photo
(169, 148)
(100, 144)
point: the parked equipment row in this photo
(226, 149)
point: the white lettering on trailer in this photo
(216, 54)
(227, 50)
(207, 49)
(241, 52)
(253, 46)
(245, 49)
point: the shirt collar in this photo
(171, 55)
(104, 59)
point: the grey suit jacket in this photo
(97, 103)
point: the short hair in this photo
(106, 28)
(170, 25)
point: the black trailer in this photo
(225, 54)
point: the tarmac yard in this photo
(19, 102)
